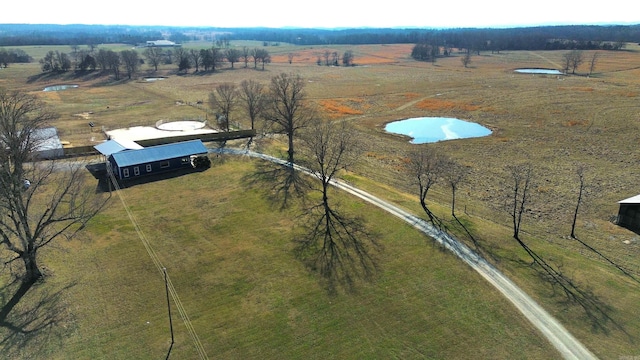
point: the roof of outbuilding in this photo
(631, 200)
(47, 139)
(159, 153)
(113, 146)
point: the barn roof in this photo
(631, 200)
(159, 153)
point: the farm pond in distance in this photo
(539, 71)
(433, 129)
(59, 87)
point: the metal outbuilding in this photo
(131, 164)
(48, 144)
(629, 213)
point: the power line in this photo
(161, 269)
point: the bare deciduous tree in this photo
(336, 245)
(521, 177)
(130, 61)
(425, 168)
(233, 56)
(347, 58)
(572, 60)
(181, 56)
(286, 110)
(154, 56)
(263, 56)
(593, 62)
(466, 59)
(253, 95)
(40, 202)
(246, 54)
(223, 100)
(581, 188)
(290, 57)
(454, 173)
(255, 55)
(194, 56)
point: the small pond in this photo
(59, 87)
(152, 79)
(434, 129)
(539, 71)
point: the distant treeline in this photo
(524, 38)
(26, 34)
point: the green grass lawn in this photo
(228, 253)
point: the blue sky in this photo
(325, 13)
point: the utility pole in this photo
(166, 286)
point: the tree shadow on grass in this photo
(282, 184)
(339, 248)
(570, 293)
(37, 318)
(607, 259)
(481, 249)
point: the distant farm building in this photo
(47, 144)
(129, 164)
(161, 43)
(629, 213)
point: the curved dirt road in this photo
(567, 345)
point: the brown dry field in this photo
(555, 123)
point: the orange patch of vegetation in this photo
(411, 96)
(629, 94)
(362, 55)
(438, 104)
(572, 123)
(338, 108)
(576, 88)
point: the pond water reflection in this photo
(539, 71)
(434, 129)
(59, 87)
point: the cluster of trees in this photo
(208, 59)
(105, 60)
(13, 56)
(575, 58)
(129, 61)
(55, 61)
(332, 58)
(425, 52)
(428, 52)
(333, 244)
(585, 45)
(427, 167)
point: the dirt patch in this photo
(84, 115)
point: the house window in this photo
(136, 171)
(125, 172)
(148, 167)
(164, 164)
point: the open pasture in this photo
(556, 123)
